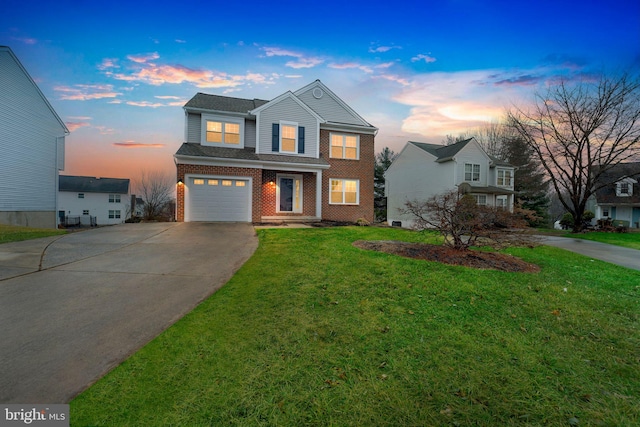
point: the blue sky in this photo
(119, 73)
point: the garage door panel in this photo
(219, 202)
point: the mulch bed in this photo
(447, 255)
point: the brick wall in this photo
(255, 174)
(362, 169)
(269, 193)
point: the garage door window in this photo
(227, 183)
(240, 183)
(212, 182)
(198, 181)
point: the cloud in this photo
(351, 65)
(143, 58)
(73, 126)
(385, 65)
(108, 63)
(166, 97)
(157, 75)
(155, 104)
(82, 92)
(521, 80)
(25, 40)
(133, 144)
(303, 61)
(382, 49)
(180, 41)
(420, 57)
(393, 78)
(105, 130)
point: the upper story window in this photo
(114, 198)
(344, 146)
(222, 131)
(624, 189)
(471, 172)
(505, 178)
(287, 138)
(80, 195)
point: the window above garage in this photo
(221, 131)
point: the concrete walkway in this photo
(618, 255)
(74, 307)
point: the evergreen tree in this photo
(382, 163)
(531, 183)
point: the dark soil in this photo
(447, 255)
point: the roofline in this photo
(345, 126)
(288, 94)
(44, 98)
(257, 164)
(223, 112)
(334, 96)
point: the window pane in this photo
(336, 140)
(351, 153)
(240, 183)
(214, 127)
(213, 182)
(336, 191)
(214, 136)
(288, 132)
(336, 152)
(231, 133)
(226, 183)
(198, 181)
(288, 145)
(352, 141)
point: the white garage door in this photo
(218, 199)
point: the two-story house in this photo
(32, 140)
(302, 156)
(85, 200)
(423, 170)
(618, 197)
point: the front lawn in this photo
(313, 331)
(14, 233)
(629, 240)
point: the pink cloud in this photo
(133, 144)
(382, 49)
(143, 58)
(82, 92)
(421, 57)
(303, 61)
(108, 63)
(73, 126)
(351, 65)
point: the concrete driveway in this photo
(618, 255)
(74, 307)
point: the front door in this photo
(289, 193)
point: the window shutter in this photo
(301, 139)
(275, 137)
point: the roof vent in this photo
(317, 93)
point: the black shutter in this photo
(275, 137)
(301, 140)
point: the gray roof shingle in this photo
(446, 152)
(197, 150)
(89, 184)
(206, 101)
(607, 194)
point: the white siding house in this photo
(424, 170)
(94, 201)
(32, 145)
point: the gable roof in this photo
(442, 153)
(89, 184)
(607, 194)
(290, 95)
(44, 98)
(205, 101)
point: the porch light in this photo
(180, 182)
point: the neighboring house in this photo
(303, 156)
(32, 145)
(138, 210)
(423, 170)
(106, 200)
(618, 200)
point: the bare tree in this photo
(579, 132)
(156, 189)
(463, 223)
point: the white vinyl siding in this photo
(193, 127)
(329, 109)
(287, 110)
(249, 133)
(100, 205)
(31, 140)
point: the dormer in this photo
(624, 187)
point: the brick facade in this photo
(264, 185)
(362, 169)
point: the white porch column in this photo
(319, 194)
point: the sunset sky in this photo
(118, 73)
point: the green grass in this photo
(13, 233)
(628, 240)
(312, 331)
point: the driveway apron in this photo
(618, 255)
(95, 297)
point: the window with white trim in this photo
(115, 214)
(114, 198)
(501, 201)
(505, 178)
(344, 191)
(472, 172)
(222, 131)
(80, 195)
(344, 146)
(288, 137)
(624, 189)
(85, 212)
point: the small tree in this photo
(156, 189)
(382, 162)
(462, 222)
